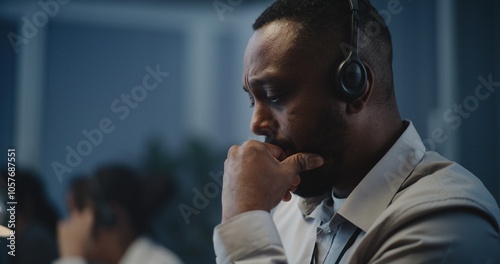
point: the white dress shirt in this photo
(412, 207)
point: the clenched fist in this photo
(256, 179)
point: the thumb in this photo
(304, 161)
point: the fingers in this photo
(287, 197)
(74, 232)
(83, 217)
(257, 176)
(303, 162)
(288, 194)
(87, 216)
(276, 151)
(300, 162)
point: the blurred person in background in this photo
(35, 223)
(109, 215)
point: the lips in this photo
(286, 145)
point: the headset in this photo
(88, 188)
(351, 73)
(104, 214)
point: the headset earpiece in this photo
(351, 73)
(352, 78)
(104, 214)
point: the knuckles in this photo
(253, 144)
(249, 147)
(232, 150)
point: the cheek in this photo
(290, 122)
(308, 122)
(302, 127)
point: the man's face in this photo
(291, 90)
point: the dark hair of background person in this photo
(323, 22)
(119, 185)
(32, 201)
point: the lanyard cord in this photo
(349, 243)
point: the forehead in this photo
(275, 46)
(275, 37)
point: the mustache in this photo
(284, 144)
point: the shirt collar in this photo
(375, 192)
(365, 204)
(307, 205)
(321, 207)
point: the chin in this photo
(315, 182)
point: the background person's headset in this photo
(351, 73)
(88, 189)
(104, 214)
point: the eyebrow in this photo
(265, 80)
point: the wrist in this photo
(228, 214)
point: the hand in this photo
(254, 178)
(73, 234)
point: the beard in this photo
(327, 139)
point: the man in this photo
(365, 190)
(108, 220)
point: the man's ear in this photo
(359, 104)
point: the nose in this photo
(262, 123)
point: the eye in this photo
(275, 96)
(252, 100)
(273, 99)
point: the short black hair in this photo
(33, 201)
(327, 21)
(120, 184)
(113, 184)
(139, 196)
